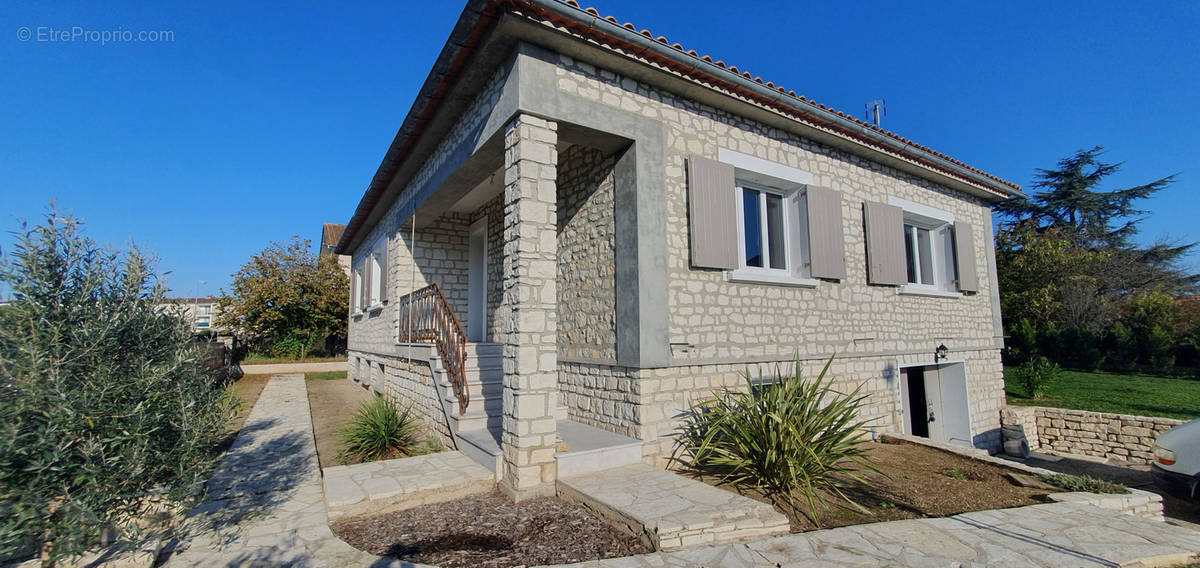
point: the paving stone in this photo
(675, 511)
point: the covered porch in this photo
(511, 264)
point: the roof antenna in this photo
(874, 109)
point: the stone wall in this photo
(1098, 434)
(587, 321)
(719, 328)
(604, 396)
(721, 321)
(408, 384)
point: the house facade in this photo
(620, 226)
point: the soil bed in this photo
(488, 530)
(332, 400)
(920, 482)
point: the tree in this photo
(1067, 264)
(286, 299)
(106, 410)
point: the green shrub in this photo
(106, 409)
(792, 439)
(379, 431)
(1083, 483)
(1032, 377)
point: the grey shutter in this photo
(712, 211)
(367, 277)
(826, 240)
(884, 226)
(964, 257)
(383, 273)
(354, 280)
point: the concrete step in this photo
(478, 417)
(484, 349)
(590, 449)
(483, 446)
(700, 514)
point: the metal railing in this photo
(426, 316)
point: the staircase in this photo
(478, 430)
(469, 380)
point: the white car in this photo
(1176, 467)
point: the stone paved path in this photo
(265, 504)
(1052, 535)
(676, 511)
(389, 485)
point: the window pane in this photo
(752, 227)
(923, 246)
(910, 253)
(775, 238)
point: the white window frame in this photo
(789, 183)
(940, 225)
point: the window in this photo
(202, 322)
(772, 236)
(765, 240)
(928, 249)
(205, 310)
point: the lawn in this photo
(1143, 395)
(259, 358)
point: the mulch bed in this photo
(919, 482)
(488, 530)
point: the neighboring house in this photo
(621, 226)
(331, 233)
(201, 312)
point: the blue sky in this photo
(260, 121)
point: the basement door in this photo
(935, 402)
(477, 282)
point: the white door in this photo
(477, 282)
(955, 407)
(933, 404)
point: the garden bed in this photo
(488, 530)
(332, 400)
(918, 481)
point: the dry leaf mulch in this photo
(489, 530)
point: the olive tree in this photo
(106, 410)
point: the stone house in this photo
(616, 226)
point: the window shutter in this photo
(964, 257)
(367, 278)
(711, 211)
(383, 273)
(884, 226)
(356, 280)
(826, 241)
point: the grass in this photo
(1143, 395)
(325, 376)
(260, 358)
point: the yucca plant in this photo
(378, 430)
(793, 440)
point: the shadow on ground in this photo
(257, 475)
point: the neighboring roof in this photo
(626, 39)
(331, 233)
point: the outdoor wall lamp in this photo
(940, 353)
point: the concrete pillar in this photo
(529, 307)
